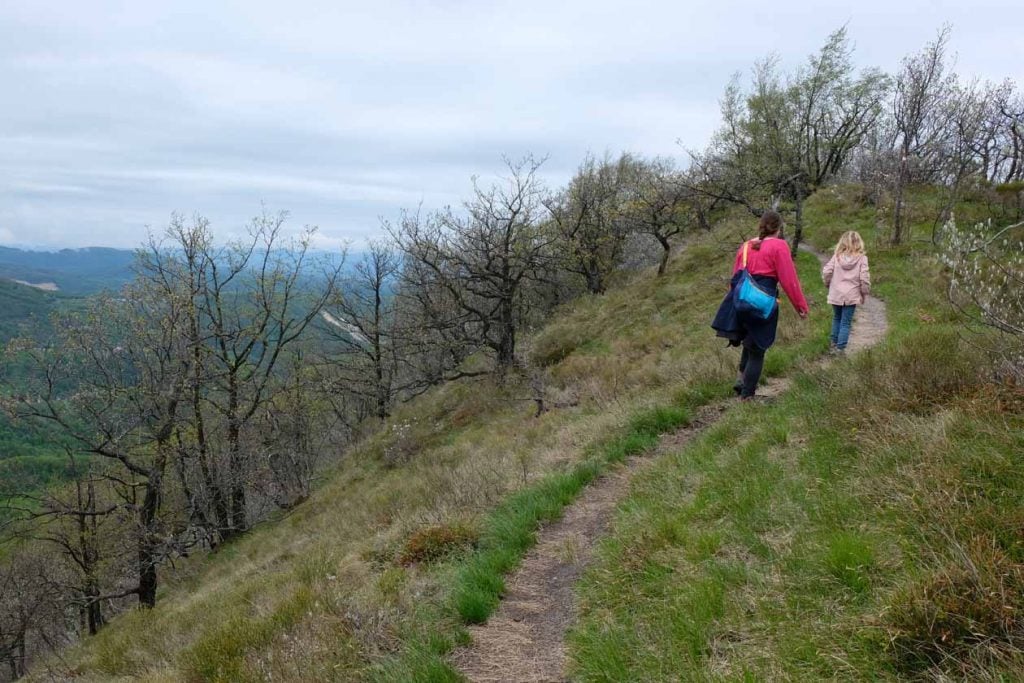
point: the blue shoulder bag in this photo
(748, 297)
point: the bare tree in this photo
(920, 119)
(835, 110)
(294, 434)
(32, 616)
(469, 270)
(75, 520)
(114, 382)
(589, 216)
(171, 372)
(246, 303)
(661, 204)
(363, 320)
(1012, 109)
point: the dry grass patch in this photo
(435, 542)
(963, 617)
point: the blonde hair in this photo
(850, 244)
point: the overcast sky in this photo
(115, 114)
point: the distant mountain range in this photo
(71, 271)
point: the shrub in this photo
(436, 542)
(403, 442)
(987, 271)
(554, 345)
(969, 611)
(928, 368)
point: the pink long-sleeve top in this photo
(773, 259)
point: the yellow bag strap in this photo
(746, 245)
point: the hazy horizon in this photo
(119, 114)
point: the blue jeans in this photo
(842, 319)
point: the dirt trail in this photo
(524, 641)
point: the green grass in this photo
(823, 536)
(219, 655)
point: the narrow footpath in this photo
(524, 640)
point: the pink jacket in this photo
(848, 279)
(771, 257)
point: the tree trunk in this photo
(93, 608)
(595, 281)
(236, 478)
(897, 208)
(665, 251)
(383, 404)
(702, 219)
(17, 656)
(87, 539)
(507, 340)
(93, 611)
(148, 540)
(218, 499)
(383, 397)
(210, 478)
(147, 575)
(798, 223)
(238, 498)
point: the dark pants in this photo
(751, 365)
(842, 319)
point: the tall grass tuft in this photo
(968, 614)
(928, 368)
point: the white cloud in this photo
(117, 113)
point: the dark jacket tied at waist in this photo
(745, 327)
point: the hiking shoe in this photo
(836, 351)
(737, 387)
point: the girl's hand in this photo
(802, 314)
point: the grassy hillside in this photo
(373, 577)
(816, 537)
(865, 527)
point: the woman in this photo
(770, 264)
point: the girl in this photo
(848, 279)
(770, 264)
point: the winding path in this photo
(524, 640)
